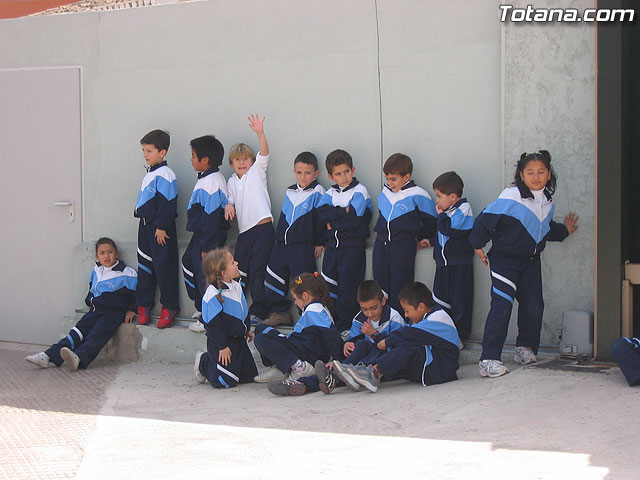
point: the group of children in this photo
(349, 330)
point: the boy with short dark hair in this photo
(453, 282)
(407, 214)
(249, 199)
(425, 352)
(157, 238)
(346, 210)
(299, 238)
(205, 216)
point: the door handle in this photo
(66, 203)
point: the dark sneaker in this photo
(275, 319)
(144, 315)
(287, 388)
(363, 374)
(166, 317)
(341, 372)
(326, 377)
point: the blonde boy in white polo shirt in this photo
(249, 201)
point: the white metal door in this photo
(40, 199)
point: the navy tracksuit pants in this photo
(253, 248)
(409, 363)
(364, 352)
(343, 269)
(394, 266)
(627, 354)
(192, 270)
(87, 338)
(513, 279)
(241, 368)
(453, 289)
(157, 264)
(285, 262)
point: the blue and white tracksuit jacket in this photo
(405, 216)
(344, 260)
(425, 352)
(225, 315)
(205, 218)
(298, 231)
(366, 349)
(156, 208)
(452, 252)
(518, 225)
(314, 337)
(111, 295)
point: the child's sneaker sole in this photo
(325, 377)
(287, 388)
(344, 375)
(71, 360)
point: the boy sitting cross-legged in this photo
(426, 352)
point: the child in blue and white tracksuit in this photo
(205, 213)
(425, 352)
(627, 353)
(314, 337)
(452, 252)
(346, 210)
(407, 221)
(225, 314)
(300, 236)
(519, 224)
(156, 208)
(111, 301)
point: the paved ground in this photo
(151, 420)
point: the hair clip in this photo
(316, 274)
(298, 280)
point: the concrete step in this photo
(178, 344)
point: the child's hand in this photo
(229, 212)
(224, 356)
(348, 348)
(129, 316)
(317, 251)
(161, 236)
(250, 336)
(382, 344)
(255, 123)
(329, 227)
(424, 243)
(202, 255)
(570, 221)
(482, 256)
(439, 209)
(368, 329)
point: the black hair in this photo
(415, 293)
(210, 147)
(398, 164)
(315, 286)
(108, 241)
(307, 158)
(369, 290)
(158, 138)
(448, 183)
(338, 157)
(545, 157)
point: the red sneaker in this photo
(144, 315)
(166, 317)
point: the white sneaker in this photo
(71, 360)
(197, 315)
(40, 359)
(271, 374)
(524, 355)
(197, 327)
(492, 368)
(304, 369)
(200, 378)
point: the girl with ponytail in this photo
(314, 337)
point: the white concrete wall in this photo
(422, 77)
